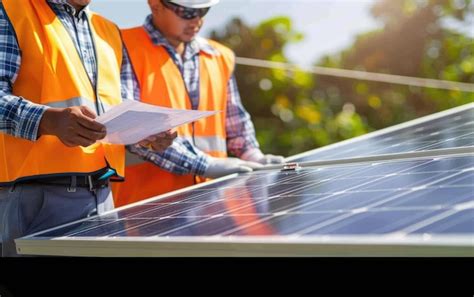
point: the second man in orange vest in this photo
(177, 69)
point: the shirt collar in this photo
(192, 48)
(69, 8)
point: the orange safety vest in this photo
(161, 84)
(52, 74)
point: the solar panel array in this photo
(452, 130)
(416, 206)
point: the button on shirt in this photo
(20, 117)
(182, 157)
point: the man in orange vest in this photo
(73, 67)
(177, 69)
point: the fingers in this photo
(90, 124)
(167, 134)
(244, 169)
(88, 112)
(172, 134)
(252, 165)
(88, 130)
(161, 144)
(272, 159)
(85, 142)
(77, 141)
(145, 143)
(90, 135)
(74, 126)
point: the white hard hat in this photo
(195, 3)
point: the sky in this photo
(328, 25)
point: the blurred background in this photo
(298, 109)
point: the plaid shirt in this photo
(18, 116)
(183, 157)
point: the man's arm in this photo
(21, 118)
(241, 140)
(180, 158)
(239, 126)
(18, 116)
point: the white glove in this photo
(256, 155)
(224, 166)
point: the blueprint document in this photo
(133, 121)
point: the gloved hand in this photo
(224, 166)
(256, 155)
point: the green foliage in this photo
(295, 112)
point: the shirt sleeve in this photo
(180, 158)
(130, 87)
(18, 116)
(239, 126)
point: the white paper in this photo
(133, 121)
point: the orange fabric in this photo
(241, 208)
(52, 73)
(161, 84)
(144, 181)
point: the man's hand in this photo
(74, 126)
(224, 166)
(255, 155)
(159, 142)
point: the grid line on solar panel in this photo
(429, 221)
(442, 131)
(450, 224)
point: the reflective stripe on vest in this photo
(52, 74)
(78, 101)
(209, 143)
(162, 84)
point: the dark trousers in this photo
(30, 208)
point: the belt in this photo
(76, 181)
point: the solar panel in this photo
(411, 205)
(450, 129)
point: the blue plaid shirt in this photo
(20, 117)
(183, 157)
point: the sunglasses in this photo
(185, 12)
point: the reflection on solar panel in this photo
(405, 206)
(451, 129)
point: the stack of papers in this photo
(133, 121)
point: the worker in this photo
(178, 69)
(60, 66)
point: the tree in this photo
(295, 112)
(415, 41)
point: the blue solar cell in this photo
(461, 179)
(152, 227)
(450, 131)
(373, 222)
(458, 223)
(285, 224)
(220, 225)
(433, 196)
(347, 201)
